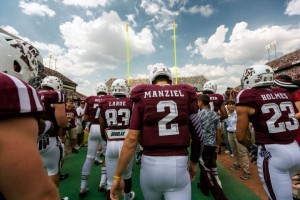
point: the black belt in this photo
(231, 132)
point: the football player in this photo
(165, 118)
(54, 102)
(114, 123)
(91, 116)
(21, 168)
(272, 114)
(216, 100)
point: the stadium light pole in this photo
(274, 43)
(55, 59)
(50, 57)
(267, 48)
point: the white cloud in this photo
(52, 49)
(33, 8)
(89, 13)
(244, 44)
(205, 11)
(293, 8)
(162, 16)
(130, 18)
(87, 3)
(165, 14)
(99, 44)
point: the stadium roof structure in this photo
(64, 79)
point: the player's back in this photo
(165, 112)
(92, 107)
(216, 100)
(50, 97)
(117, 114)
(274, 120)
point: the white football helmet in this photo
(53, 82)
(120, 87)
(20, 59)
(160, 70)
(257, 75)
(101, 87)
(210, 86)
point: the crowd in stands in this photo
(285, 61)
(292, 72)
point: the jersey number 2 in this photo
(162, 124)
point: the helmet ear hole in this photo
(17, 67)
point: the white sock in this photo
(103, 175)
(83, 182)
(97, 155)
(127, 196)
(218, 180)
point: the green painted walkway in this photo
(233, 187)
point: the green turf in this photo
(233, 187)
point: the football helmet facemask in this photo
(120, 87)
(210, 86)
(53, 82)
(160, 70)
(20, 59)
(257, 75)
(101, 87)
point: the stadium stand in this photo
(195, 81)
(69, 88)
(288, 64)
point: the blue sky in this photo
(215, 38)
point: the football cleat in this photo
(131, 195)
(98, 162)
(102, 187)
(63, 176)
(83, 192)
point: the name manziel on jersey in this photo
(163, 93)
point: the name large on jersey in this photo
(117, 113)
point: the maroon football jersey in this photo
(273, 121)
(71, 113)
(117, 114)
(92, 103)
(18, 98)
(50, 97)
(216, 100)
(162, 114)
(296, 97)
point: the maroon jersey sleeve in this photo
(273, 120)
(117, 114)
(18, 98)
(296, 96)
(162, 114)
